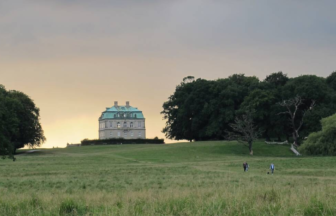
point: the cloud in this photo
(146, 27)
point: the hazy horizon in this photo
(75, 58)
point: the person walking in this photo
(244, 166)
(272, 168)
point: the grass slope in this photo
(203, 178)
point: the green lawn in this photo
(203, 178)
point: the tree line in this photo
(202, 109)
(19, 122)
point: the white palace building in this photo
(122, 122)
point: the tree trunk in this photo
(295, 139)
(250, 147)
(279, 138)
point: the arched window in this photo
(125, 124)
(131, 124)
(118, 115)
(134, 115)
(118, 125)
(125, 115)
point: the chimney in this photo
(116, 103)
(127, 104)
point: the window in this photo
(105, 124)
(118, 125)
(134, 115)
(111, 134)
(111, 124)
(118, 115)
(131, 133)
(125, 134)
(125, 115)
(125, 124)
(131, 124)
(115, 115)
(139, 124)
(139, 134)
(118, 134)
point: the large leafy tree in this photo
(185, 111)
(203, 110)
(19, 122)
(310, 89)
(331, 80)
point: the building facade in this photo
(122, 122)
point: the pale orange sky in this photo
(75, 58)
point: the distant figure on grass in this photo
(245, 166)
(272, 167)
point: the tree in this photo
(244, 130)
(331, 80)
(183, 111)
(202, 110)
(277, 79)
(324, 141)
(293, 109)
(310, 88)
(19, 122)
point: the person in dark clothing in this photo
(244, 165)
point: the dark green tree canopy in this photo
(277, 79)
(19, 122)
(331, 80)
(202, 109)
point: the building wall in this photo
(133, 129)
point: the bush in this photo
(70, 207)
(121, 141)
(322, 142)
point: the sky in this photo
(74, 58)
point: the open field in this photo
(204, 178)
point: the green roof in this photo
(122, 112)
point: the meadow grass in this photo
(202, 178)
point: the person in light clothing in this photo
(272, 167)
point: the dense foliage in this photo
(202, 109)
(19, 122)
(112, 141)
(324, 141)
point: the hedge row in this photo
(121, 141)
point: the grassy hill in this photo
(202, 178)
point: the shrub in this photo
(324, 141)
(114, 141)
(68, 207)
